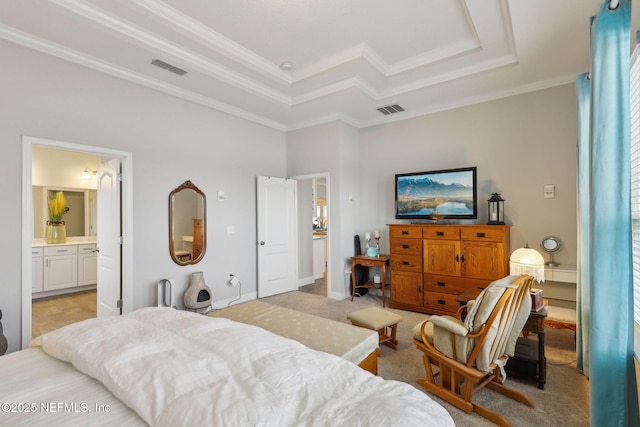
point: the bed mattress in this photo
(38, 390)
(179, 368)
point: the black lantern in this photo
(496, 210)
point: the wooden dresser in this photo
(432, 264)
(197, 238)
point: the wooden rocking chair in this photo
(470, 354)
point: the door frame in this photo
(325, 175)
(126, 157)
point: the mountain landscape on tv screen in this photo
(428, 187)
(425, 196)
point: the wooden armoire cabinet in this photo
(431, 264)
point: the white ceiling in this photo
(349, 57)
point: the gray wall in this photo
(518, 144)
(171, 140)
(332, 148)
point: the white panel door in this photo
(109, 238)
(277, 252)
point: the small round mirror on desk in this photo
(550, 245)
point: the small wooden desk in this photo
(534, 324)
(380, 261)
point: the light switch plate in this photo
(549, 191)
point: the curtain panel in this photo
(605, 307)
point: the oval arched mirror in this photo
(550, 245)
(187, 224)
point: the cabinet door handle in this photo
(405, 232)
(441, 284)
(62, 250)
(462, 258)
(441, 302)
(46, 262)
(419, 289)
(406, 263)
(405, 246)
(457, 258)
(439, 233)
(481, 234)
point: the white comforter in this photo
(179, 368)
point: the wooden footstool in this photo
(377, 319)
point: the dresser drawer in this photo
(411, 232)
(455, 285)
(444, 284)
(441, 233)
(489, 233)
(441, 303)
(406, 246)
(406, 262)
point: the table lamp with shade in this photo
(527, 261)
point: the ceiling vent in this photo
(391, 109)
(168, 67)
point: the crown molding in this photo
(47, 47)
(195, 61)
(473, 100)
(213, 40)
(234, 51)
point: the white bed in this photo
(179, 368)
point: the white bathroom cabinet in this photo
(36, 270)
(60, 267)
(87, 265)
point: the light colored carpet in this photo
(563, 402)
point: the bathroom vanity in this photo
(63, 268)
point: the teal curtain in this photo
(583, 300)
(605, 225)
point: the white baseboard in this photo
(234, 300)
(306, 281)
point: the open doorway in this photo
(66, 261)
(313, 233)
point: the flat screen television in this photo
(449, 194)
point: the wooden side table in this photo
(381, 261)
(535, 324)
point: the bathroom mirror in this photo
(187, 224)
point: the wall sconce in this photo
(527, 261)
(86, 174)
(496, 210)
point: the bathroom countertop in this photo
(76, 240)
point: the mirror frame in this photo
(550, 239)
(188, 185)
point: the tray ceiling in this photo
(289, 64)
